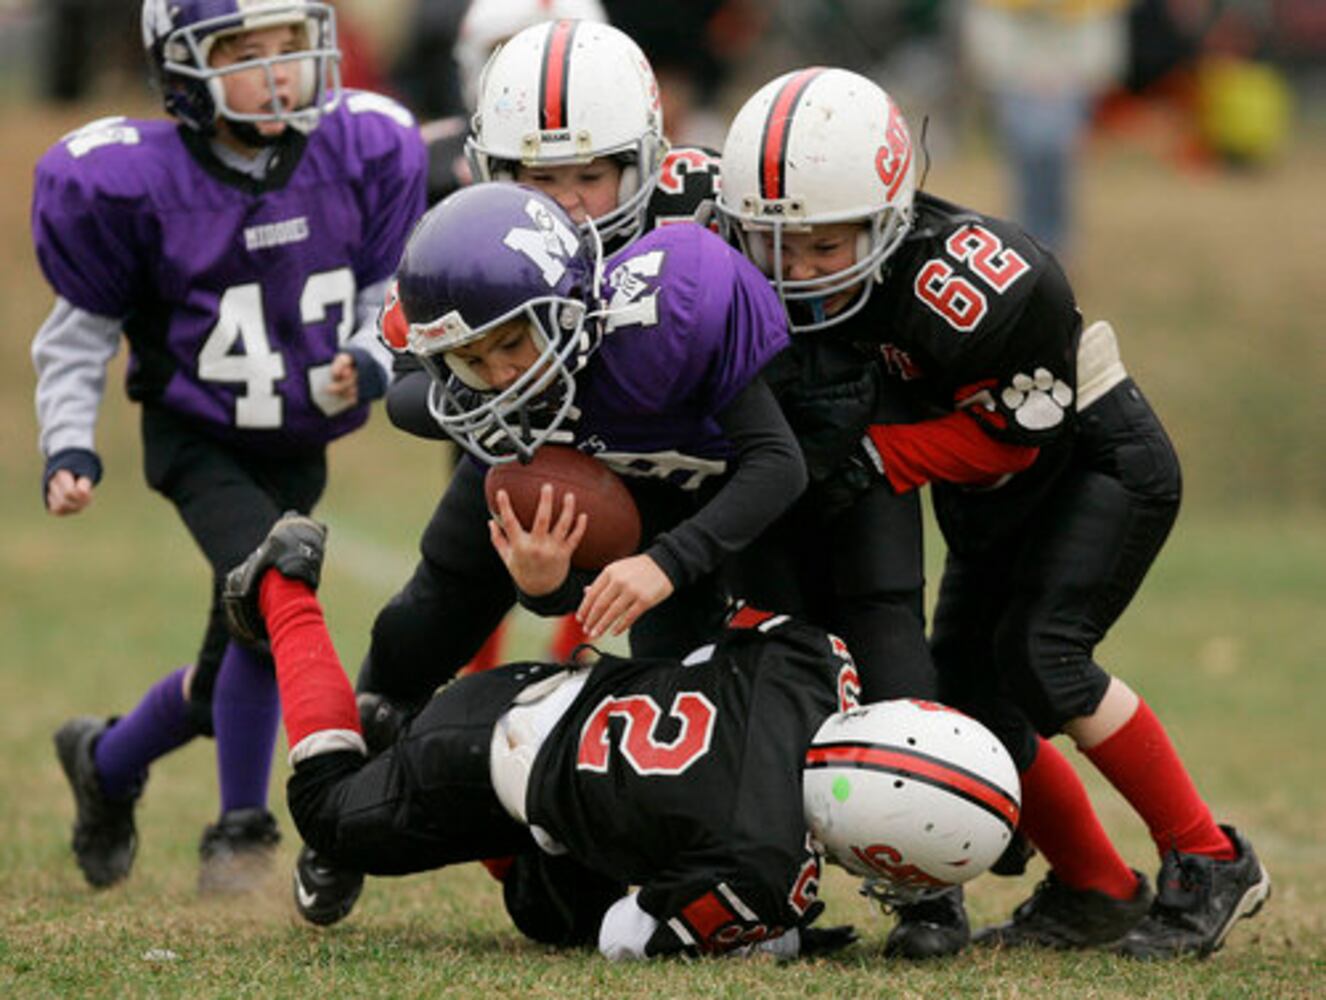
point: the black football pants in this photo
(427, 800)
(858, 574)
(228, 499)
(1016, 625)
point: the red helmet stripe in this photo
(920, 767)
(773, 144)
(553, 76)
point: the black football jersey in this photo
(688, 184)
(687, 781)
(974, 314)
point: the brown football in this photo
(613, 529)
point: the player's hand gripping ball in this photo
(612, 529)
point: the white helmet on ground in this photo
(489, 23)
(818, 146)
(912, 795)
(567, 92)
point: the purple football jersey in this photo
(690, 324)
(235, 293)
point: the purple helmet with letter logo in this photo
(489, 254)
(179, 36)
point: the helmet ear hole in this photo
(629, 183)
(758, 247)
(862, 248)
(218, 91)
(307, 84)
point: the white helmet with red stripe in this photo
(489, 23)
(912, 795)
(818, 146)
(567, 92)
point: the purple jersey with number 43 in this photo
(235, 294)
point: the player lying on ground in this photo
(684, 778)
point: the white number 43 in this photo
(240, 321)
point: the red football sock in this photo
(498, 867)
(1057, 816)
(566, 638)
(488, 655)
(315, 693)
(1141, 762)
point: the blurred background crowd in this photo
(1204, 84)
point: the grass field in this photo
(1213, 281)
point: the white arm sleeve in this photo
(625, 931)
(70, 353)
(365, 337)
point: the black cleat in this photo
(1059, 917)
(1199, 902)
(237, 851)
(324, 895)
(932, 928)
(294, 547)
(1017, 854)
(105, 838)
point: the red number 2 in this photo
(642, 749)
(983, 251)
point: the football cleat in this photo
(930, 928)
(294, 547)
(1017, 854)
(105, 838)
(1057, 916)
(324, 895)
(237, 851)
(1199, 901)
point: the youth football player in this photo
(242, 249)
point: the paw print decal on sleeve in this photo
(1038, 401)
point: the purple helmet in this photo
(485, 255)
(179, 34)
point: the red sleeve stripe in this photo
(554, 74)
(748, 617)
(919, 767)
(707, 915)
(773, 144)
(952, 448)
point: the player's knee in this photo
(311, 797)
(1051, 679)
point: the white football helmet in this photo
(912, 795)
(489, 23)
(818, 146)
(567, 92)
